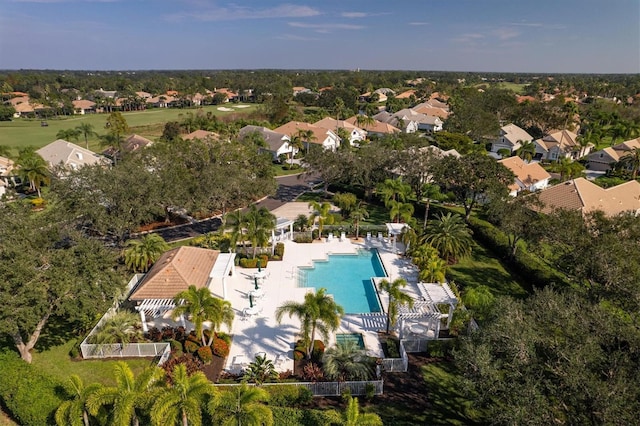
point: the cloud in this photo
(505, 33)
(295, 37)
(418, 23)
(326, 27)
(354, 14)
(468, 38)
(238, 13)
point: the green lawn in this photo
(515, 87)
(20, 133)
(57, 363)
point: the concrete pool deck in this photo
(261, 333)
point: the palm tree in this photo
(86, 130)
(318, 312)
(450, 236)
(123, 327)
(358, 214)
(296, 144)
(33, 168)
(434, 270)
(261, 370)
(400, 210)
(181, 403)
(199, 306)
(363, 120)
(321, 212)
(128, 396)
(258, 224)
(306, 136)
(73, 412)
(394, 190)
(68, 134)
(430, 192)
(397, 298)
(235, 220)
(346, 361)
(353, 417)
(631, 160)
(242, 406)
(140, 254)
(301, 223)
(526, 151)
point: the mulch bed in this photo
(214, 370)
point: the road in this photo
(289, 188)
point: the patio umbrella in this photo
(259, 265)
(251, 300)
(255, 280)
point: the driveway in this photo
(289, 188)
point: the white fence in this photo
(133, 350)
(400, 365)
(330, 388)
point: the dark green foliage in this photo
(29, 394)
(191, 346)
(279, 250)
(285, 416)
(318, 349)
(441, 348)
(253, 262)
(289, 395)
(392, 348)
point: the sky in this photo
(551, 36)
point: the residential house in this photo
(560, 144)
(585, 196)
(356, 134)
(6, 166)
(106, 93)
(24, 106)
(130, 144)
(378, 128)
(202, 135)
(175, 271)
(144, 95)
(83, 106)
(511, 138)
(425, 122)
(406, 123)
(407, 94)
(231, 96)
(277, 143)
(529, 176)
(69, 155)
(162, 101)
(300, 89)
(604, 159)
(321, 135)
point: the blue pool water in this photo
(348, 278)
(351, 337)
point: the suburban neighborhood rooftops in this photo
(527, 173)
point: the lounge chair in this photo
(330, 237)
(343, 236)
(379, 236)
(239, 363)
(368, 236)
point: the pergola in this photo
(425, 315)
(224, 266)
(395, 229)
(439, 294)
(281, 227)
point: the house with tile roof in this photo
(277, 143)
(203, 135)
(83, 106)
(401, 121)
(560, 144)
(604, 159)
(511, 138)
(321, 135)
(377, 128)
(356, 134)
(586, 197)
(529, 176)
(69, 155)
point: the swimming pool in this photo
(348, 278)
(356, 338)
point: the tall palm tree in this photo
(33, 168)
(182, 402)
(296, 144)
(258, 224)
(140, 254)
(261, 370)
(430, 192)
(450, 236)
(235, 221)
(397, 298)
(123, 327)
(353, 417)
(363, 121)
(319, 312)
(433, 270)
(199, 306)
(68, 134)
(321, 213)
(86, 130)
(394, 190)
(306, 136)
(526, 151)
(346, 361)
(242, 406)
(129, 396)
(358, 214)
(73, 411)
(400, 211)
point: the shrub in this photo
(298, 355)
(204, 353)
(369, 391)
(312, 372)
(285, 395)
(285, 375)
(74, 352)
(279, 250)
(191, 346)
(168, 333)
(440, 348)
(180, 334)
(315, 234)
(275, 258)
(392, 349)
(192, 363)
(220, 348)
(318, 349)
(303, 239)
(28, 394)
(154, 335)
(175, 345)
(224, 336)
(286, 416)
(192, 337)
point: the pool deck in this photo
(261, 333)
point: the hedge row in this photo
(285, 416)
(30, 395)
(534, 271)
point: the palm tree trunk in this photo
(85, 418)
(313, 335)
(426, 213)
(185, 421)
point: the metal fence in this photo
(330, 388)
(131, 350)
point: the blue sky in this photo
(583, 36)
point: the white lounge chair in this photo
(343, 236)
(239, 363)
(379, 236)
(368, 236)
(330, 237)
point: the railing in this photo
(329, 388)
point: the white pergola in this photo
(395, 229)
(439, 294)
(153, 308)
(281, 227)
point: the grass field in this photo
(20, 133)
(515, 87)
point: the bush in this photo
(29, 395)
(285, 416)
(154, 335)
(168, 333)
(253, 262)
(298, 355)
(303, 239)
(318, 349)
(392, 348)
(175, 345)
(220, 348)
(279, 250)
(312, 372)
(191, 346)
(440, 348)
(315, 234)
(192, 363)
(205, 355)
(224, 336)
(289, 395)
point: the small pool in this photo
(348, 278)
(356, 338)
